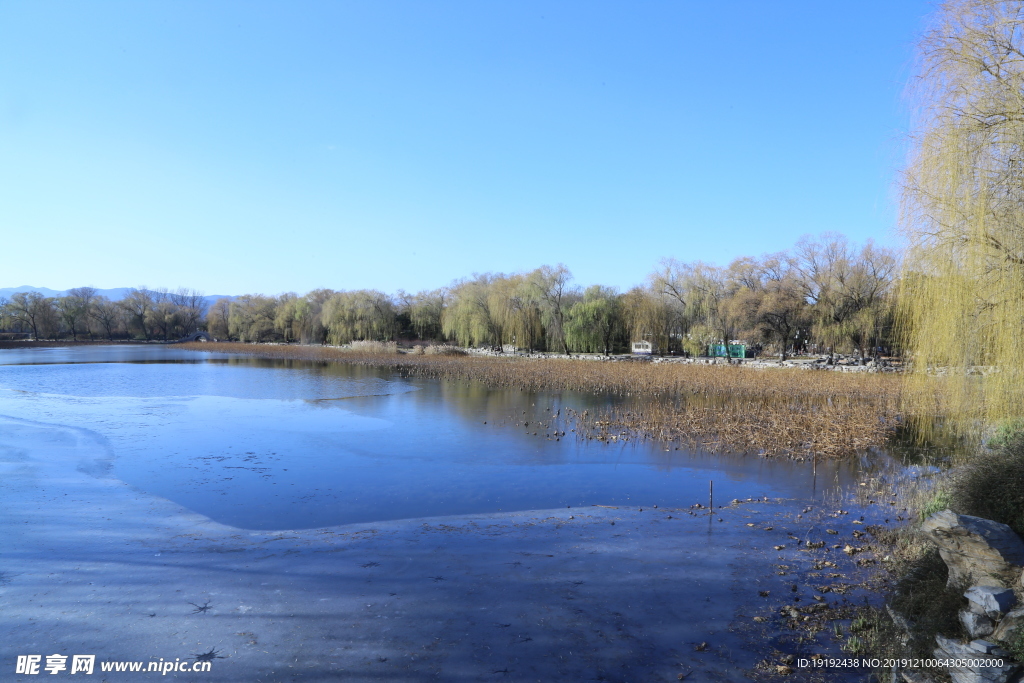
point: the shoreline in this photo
(730, 408)
(802, 362)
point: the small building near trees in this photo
(733, 350)
(644, 348)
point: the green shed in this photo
(734, 351)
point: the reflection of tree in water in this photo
(769, 412)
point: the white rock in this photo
(977, 625)
(916, 677)
(983, 646)
(992, 601)
(990, 669)
(976, 550)
(1008, 625)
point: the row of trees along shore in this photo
(823, 295)
(82, 313)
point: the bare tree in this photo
(29, 309)
(137, 304)
(191, 306)
(74, 309)
(218, 320)
(85, 295)
(72, 314)
(672, 280)
(849, 290)
(108, 314)
(556, 297)
(773, 297)
(163, 316)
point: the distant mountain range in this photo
(115, 294)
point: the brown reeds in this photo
(372, 347)
(719, 408)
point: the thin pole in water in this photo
(711, 497)
(814, 474)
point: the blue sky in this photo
(268, 147)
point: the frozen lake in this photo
(261, 444)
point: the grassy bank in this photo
(719, 408)
(987, 484)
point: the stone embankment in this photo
(837, 364)
(988, 557)
(817, 363)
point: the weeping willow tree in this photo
(595, 324)
(251, 318)
(963, 212)
(425, 311)
(513, 302)
(468, 318)
(365, 314)
(496, 310)
(286, 322)
(647, 315)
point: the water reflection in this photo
(278, 444)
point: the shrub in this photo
(992, 485)
(1016, 645)
(922, 597)
(1005, 432)
(939, 500)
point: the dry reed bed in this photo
(719, 408)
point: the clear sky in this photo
(269, 147)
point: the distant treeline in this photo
(84, 314)
(823, 295)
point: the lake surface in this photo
(261, 444)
